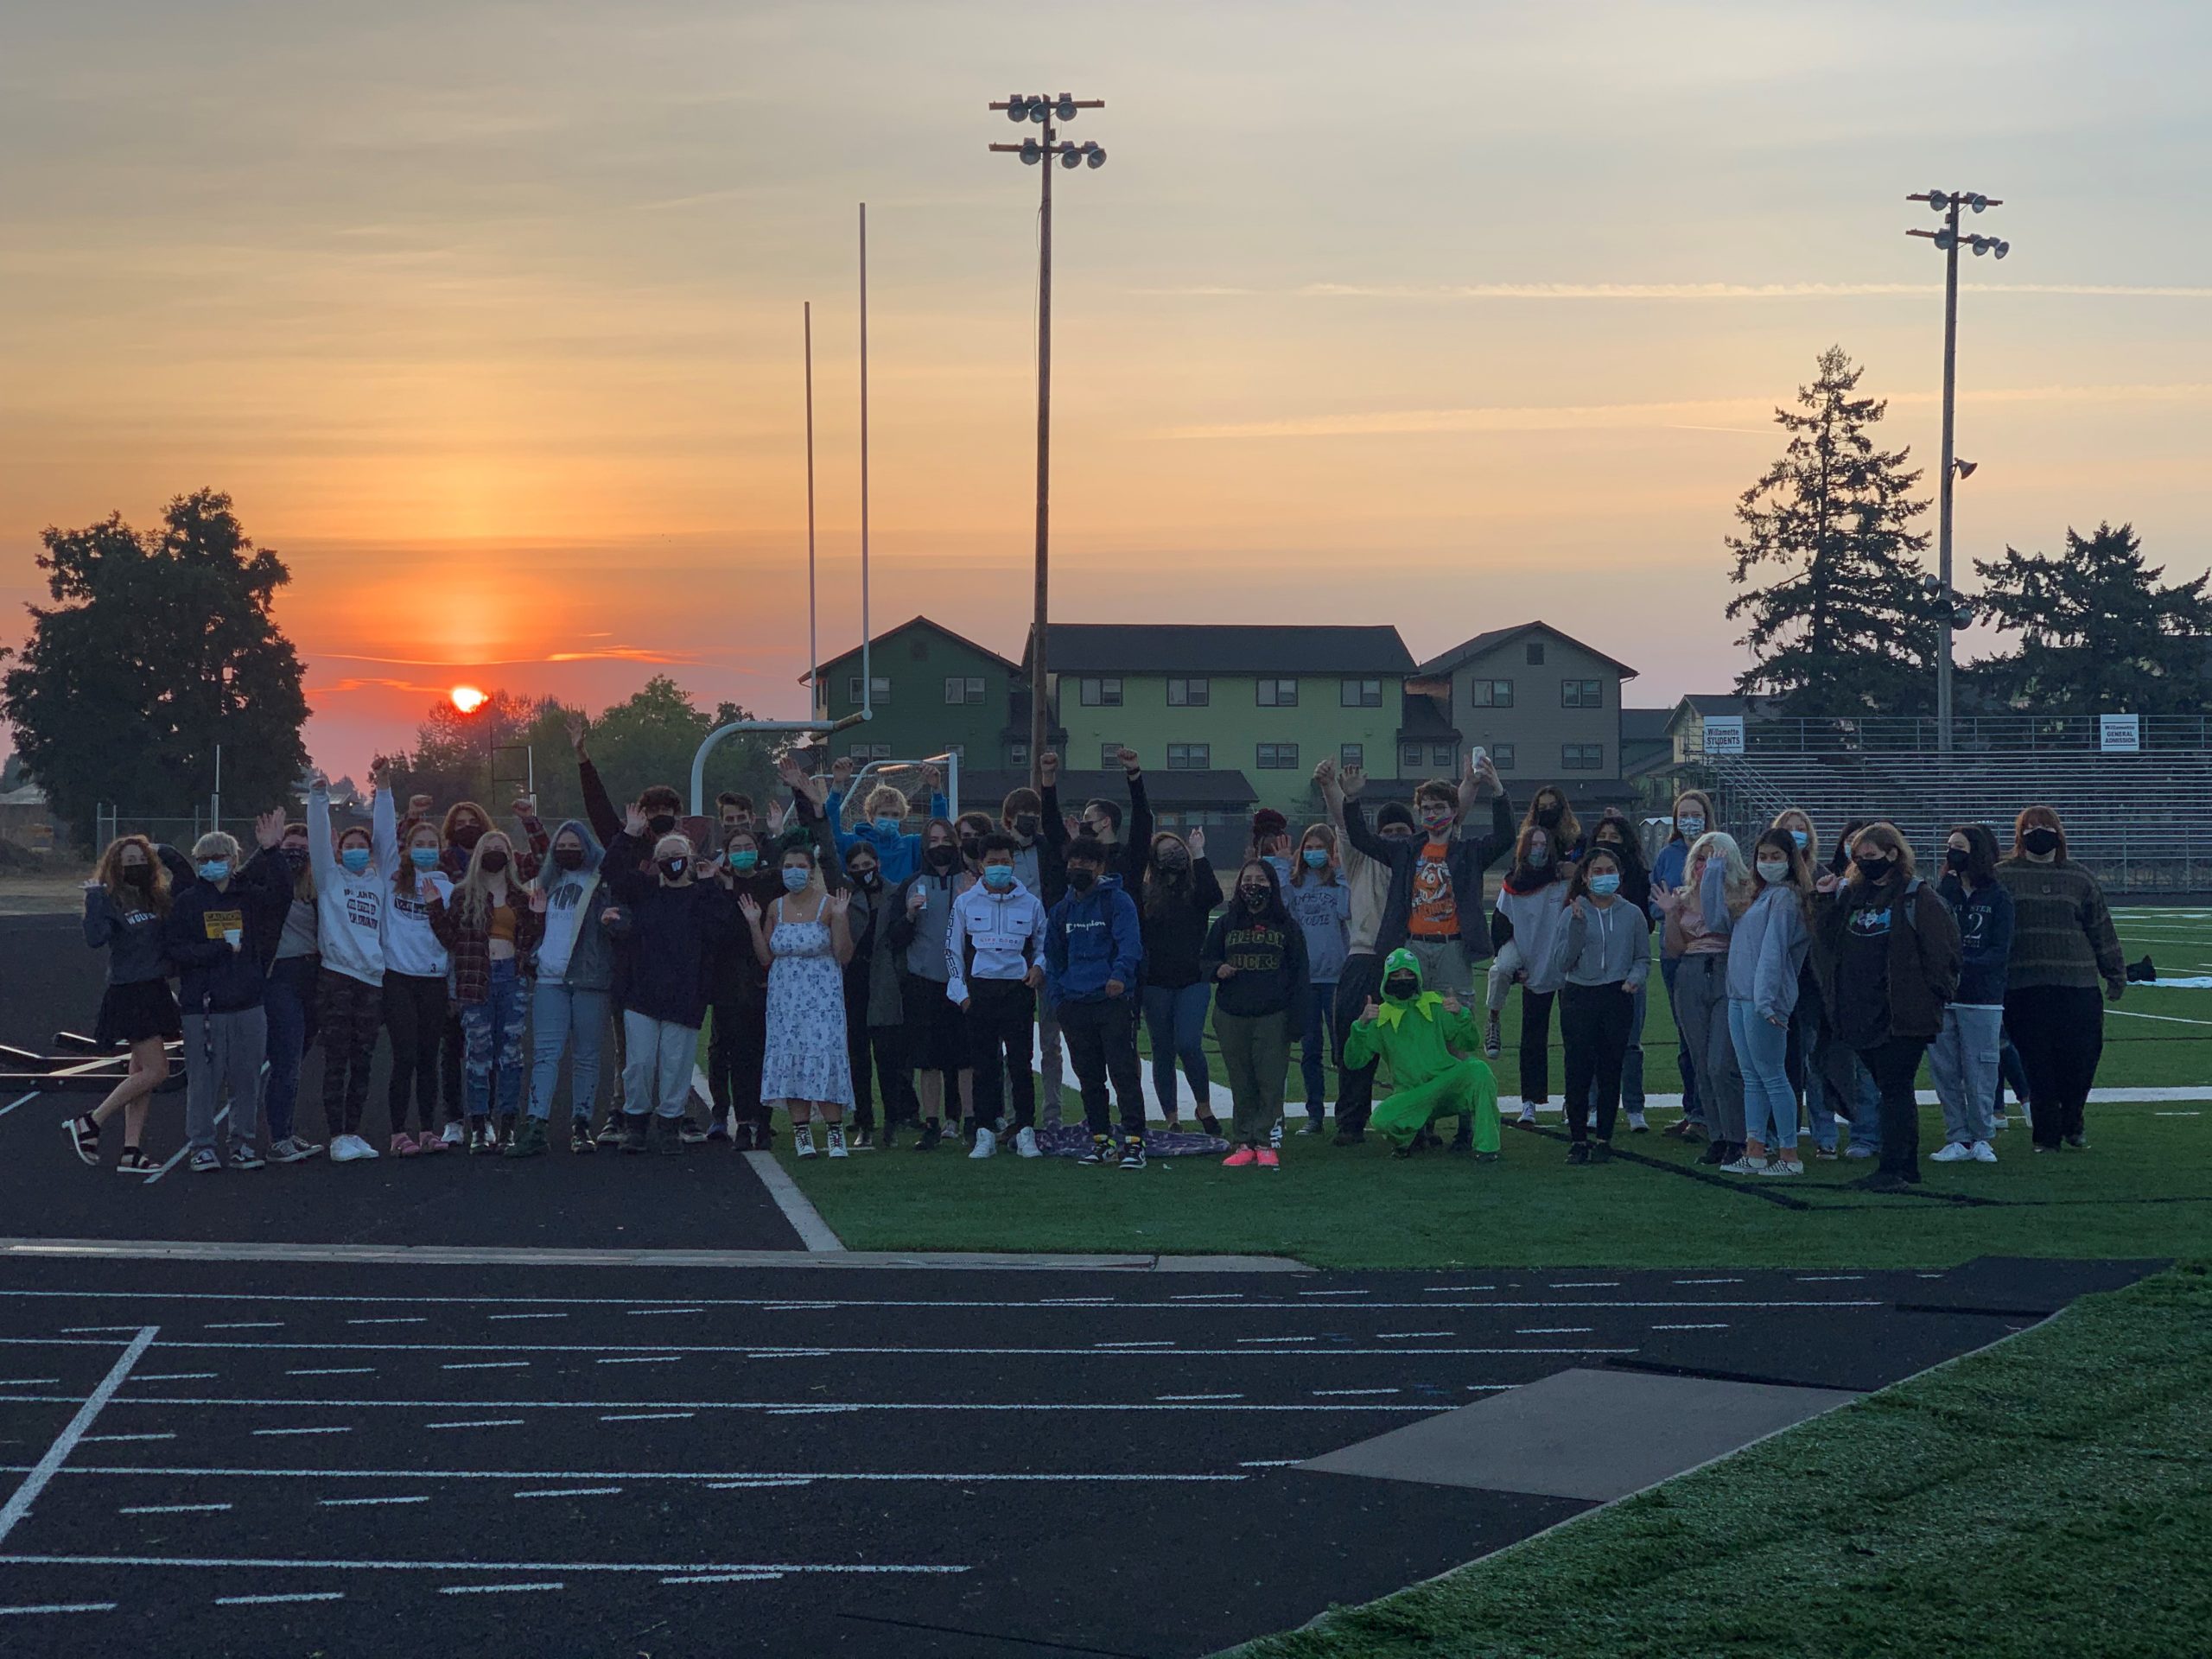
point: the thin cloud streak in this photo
(1721, 290)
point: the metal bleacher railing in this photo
(2139, 821)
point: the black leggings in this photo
(1594, 1021)
(414, 1015)
(1362, 978)
(735, 1049)
(2060, 1032)
(1894, 1065)
(1536, 1050)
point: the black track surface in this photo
(962, 1462)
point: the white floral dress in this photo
(806, 1055)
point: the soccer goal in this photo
(906, 777)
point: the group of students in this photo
(832, 965)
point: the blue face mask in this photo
(355, 859)
(422, 858)
(743, 860)
(796, 878)
(215, 870)
(998, 877)
(1317, 858)
(1539, 856)
(1799, 837)
(1691, 825)
(1606, 886)
(889, 826)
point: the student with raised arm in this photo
(349, 896)
(1435, 905)
(883, 821)
(569, 1002)
(1129, 844)
(1175, 903)
(492, 927)
(417, 999)
(1367, 883)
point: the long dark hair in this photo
(1982, 852)
(1275, 910)
(1628, 852)
(1577, 884)
(1163, 890)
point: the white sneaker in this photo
(1955, 1152)
(1984, 1153)
(836, 1142)
(987, 1144)
(1636, 1124)
(1778, 1167)
(452, 1134)
(1024, 1143)
(1527, 1119)
(350, 1149)
(1854, 1150)
(803, 1141)
(1743, 1163)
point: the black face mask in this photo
(138, 875)
(866, 880)
(296, 858)
(1026, 826)
(1403, 988)
(1874, 868)
(2041, 839)
(1174, 860)
(941, 857)
(494, 862)
(971, 848)
(1548, 817)
(568, 858)
(673, 868)
(1082, 880)
(1956, 859)
(660, 823)
(467, 835)
(1254, 898)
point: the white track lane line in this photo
(357, 1502)
(1269, 1344)
(271, 1601)
(168, 1376)
(335, 1370)
(750, 1477)
(90, 1438)
(668, 1416)
(483, 1422)
(172, 1508)
(885, 1569)
(303, 1431)
(773, 1407)
(247, 1324)
(63, 1607)
(485, 1365)
(24, 1100)
(496, 1589)
(721, 1578)
(177, 1157)
(47, 1467)
(573, 1491)
(805, 1220)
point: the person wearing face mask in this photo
(220, 935)
(1964, 1056)
(738, 1000)
(1809, 1024)
(1693, 817)
(1530, 911)
(875, 1007)
(1101, 819)
(1174, 906)
(2063, 944)
(350, 895)
(1435, 906)
(1425, 1038)
(1548, 811)
(1319, 902)
(1038, 865)
(416, 1002)
(936, 1028)
(1093, 950)
(882, 822)
(802, 939)
(1367, 884)
(289, 1002)
(675, 921)
(127, 904)
(1767, 948)
(574, 971)
(1717, 887)
(1255, 958)
(490, 926)
(1615, 833)
(1270, 841)
(1887, 952)
(1600, 957)
(465, 823)
(993, 953)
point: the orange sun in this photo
(469, 699)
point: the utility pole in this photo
(1947, 203)
(1043, 112)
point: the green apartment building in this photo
(934, 692)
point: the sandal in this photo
(135, 1162)
(84, 1138)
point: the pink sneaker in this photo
(403, 1145)
(1239, 1158)
(1270, 1159)
(427, 1143)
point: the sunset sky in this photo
(1445, 315)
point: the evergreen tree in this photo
(2098, 635)
(1843, 629)
(159, 646)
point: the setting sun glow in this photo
(467, 699)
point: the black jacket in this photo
(1175, 933)
(1467, 859)
(1129, 853)
(1923, 956)
(211, 978)
(674, 933)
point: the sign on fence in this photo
(1724, 734)
(2120, 734)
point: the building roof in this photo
(879, 641)
(1225, 648)
(1645, 725)
(983, 788)
(1716, 702)
(1497, 636)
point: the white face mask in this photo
(1773, 870)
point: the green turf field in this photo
(2144, 1189)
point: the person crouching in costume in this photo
(1427, 1041)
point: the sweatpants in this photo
(1594, 1022)
(1466, 1089)
(415, 1015)
(493, 1030)
(1536, 1048)
(1175, 1020)
(658, 1078)
(1963, 1057)
(349, 1014)
(1001, 1027)
(1763, 1059)
(1314, 1044)
(575, 1020)
(1255, 1053)
(2060, 1032)
(1444, 967)
(1362, 978)
(1702, 1012)
(1895, 1065)
(736, 1048)
(219, 1050)
(288, 1002)
(1102, 1038)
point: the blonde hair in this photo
(109, 874)
(1329, 874)
(1736, 883)
(471, 894)
(883, 800)
(216, 843)
(1811, 830)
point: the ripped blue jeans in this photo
(492, 1042)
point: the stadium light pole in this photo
(1947, 203)
(1045, 111)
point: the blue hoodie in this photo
(897, 855)
(1089, 938)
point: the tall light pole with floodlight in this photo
(1947, 203)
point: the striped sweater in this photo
(2062, 932)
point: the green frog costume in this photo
(1416, 1037)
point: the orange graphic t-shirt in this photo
(1435, 912)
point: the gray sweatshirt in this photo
(1594, 946)
(1766, 952)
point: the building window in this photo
(1490, 694)
(1110, 755)
(1581, 757)
(1017, 754)
(1100, 693)
(1189, 694)
(1351, 754)
(964, 688)
(1441, 755)
(1535, 656)
(1501, 756)
(1409, 758)
(1581, 694)
(880, 693)
(1189, 757)
(865, 752)
(1277, 757)
(1278, 694)
(1360, 694)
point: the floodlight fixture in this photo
(1065, 108)
(1964, 467)
(1095, 155)
(1040, 111)
(1937, 201)
(1017, 108)
(1031, 152)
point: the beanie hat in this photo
(1267, 822)
(1394, 812)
